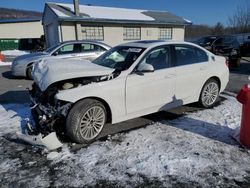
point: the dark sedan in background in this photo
(245, 47)
(226, 46)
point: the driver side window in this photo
(158, 58)
(69, 49)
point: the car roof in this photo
(154, 43)
(85, 41)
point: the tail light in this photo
(227, 62)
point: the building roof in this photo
(65, 12)
(20, 20)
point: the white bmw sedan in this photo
(128, 81)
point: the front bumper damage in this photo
(51, 141)
(43, 128)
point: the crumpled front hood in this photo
(51, 70)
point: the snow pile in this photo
(14, 52)
(196, 150)
(12, 117)
(5, 63)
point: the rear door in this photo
(90, 51)
(191, 69)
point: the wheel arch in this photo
(212, 77)
(215, 78)
(27, 67)
(106, 105)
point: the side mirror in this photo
(145, 67)
(55, 53)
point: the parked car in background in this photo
(128, 81)
(245, 47)
(206, 42)
(227, 46)
(22, 65)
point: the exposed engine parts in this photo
(49, 113)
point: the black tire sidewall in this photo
(29, 72)
(74, 118)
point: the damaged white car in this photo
(130, 80)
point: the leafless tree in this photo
(196, 31)
(6, 13)
(218, 29)
(239, 22)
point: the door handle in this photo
(170, 75)
(203, 68)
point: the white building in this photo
(113, 26)
(20, 33)
(21, 28)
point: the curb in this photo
(231, 94)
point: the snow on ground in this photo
(14, 52)
(5, 63)
(194, 150)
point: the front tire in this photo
(86, 120)
(29, 72)
(209, 93)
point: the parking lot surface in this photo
(139, 158)
(14, 90)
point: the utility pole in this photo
(77, 14)
(76, 7)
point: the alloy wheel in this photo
(210, 93)
(92, 122)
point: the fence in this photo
(8, 44)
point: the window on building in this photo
(131, 33)
(92, 32)
(165, 33)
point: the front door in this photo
(68, 51)
(147, 91)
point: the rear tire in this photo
(209, 93)
(237, 62)
(86, 120)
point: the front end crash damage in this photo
(49, 114)
(46, 125)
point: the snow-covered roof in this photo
(111, 14)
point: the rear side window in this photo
(187, 55)
(226, 41)
(91, 47)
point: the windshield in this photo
(52, 48)
(205, 40)
(120, 57)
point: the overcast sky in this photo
(198, 11)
